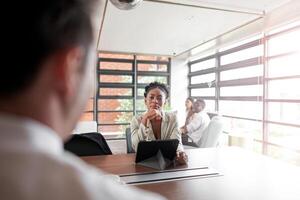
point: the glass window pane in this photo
(203, 92)
(257, 147)
(203, 65)
(114, 117)
(209, 105)
(284, 154)
(284, 27)
(153, 58)
(116, 91)
(246, 109)
(242, 55)
(248, 90)
(284, 66)
(140, 113)
(115, 104)
(115, 78)
(140, 104)
(203, 78)
(284, 112)
(152, 67)
(113, 131)
(140, 92)
(141, 107)
(149, 79)
(113, 55)
(287, 42)
(245, 72)
(245, 41)
(87, 116)
(89, 105)
(116, 65)
(284, 89)
(243, 128)
(284, 135)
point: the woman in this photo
(155, 124)
(189, 115)
(189, 109)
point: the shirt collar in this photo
(29, 135)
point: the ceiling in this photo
(172, 28)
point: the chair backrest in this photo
(87, 144)
(128, 141)
(212, 133)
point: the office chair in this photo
(212, 133)
(128, 141)
(87, 144)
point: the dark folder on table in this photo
(157, 154)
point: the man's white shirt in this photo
(34, 165)
(197, 126)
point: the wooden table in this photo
(245, 175)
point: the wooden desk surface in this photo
(245, 175)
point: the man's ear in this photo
(67, 71)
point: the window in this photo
(203, 65)
(249, 81)
(283, 96)
(252, 52)
(205, 78)
(210, 105)
(242, 127)
(248, 90)
(148, 79)
(284, 88)
(284, 66)
(203, 92)
(115, 78)
(239, 73)
(121, 82)
(284, 136)
(284, 112)
(245, 109)
(284, 43)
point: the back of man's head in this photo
(199, 105)
(35, 30)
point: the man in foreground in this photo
(42, 94)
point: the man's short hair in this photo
(201, 102)
(38, 29)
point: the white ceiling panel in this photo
(247, 5)
(169, 29)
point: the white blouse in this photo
(169, 130)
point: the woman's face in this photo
(188, 104)
(155, 99)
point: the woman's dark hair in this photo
(191, 99)
(155, 84)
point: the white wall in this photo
(179, 84)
